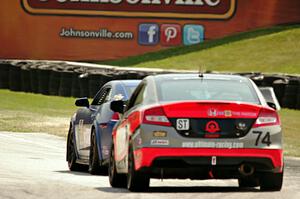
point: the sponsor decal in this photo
(212, 112)
(183, 124)
(118, 97)
(105, 150)
(244, 114)
(213, 160)
(187, 9)
(212, 127)
(159, 134)
(139, 141)
(80, 125)
(159, 142)
(227, 113)
(205, 144)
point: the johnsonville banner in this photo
(89, 30)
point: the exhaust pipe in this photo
(246, 169)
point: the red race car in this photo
(196, 126)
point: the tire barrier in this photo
(4, 75)
(298, 99)
(84, 84)
(34, 79)
(290, 95)
(75, 92)
(43, 80)
(119, 76)
(25, 78)
(132, 75)
(268, 80)
(15, 78)
(142, 75)
(65, 84)
(54, 81)
(279, 89)
(257, 78)
(96, 81)
(298, 102)
(80, 80)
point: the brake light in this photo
(267, 117)
(115, 117)
(156, 116)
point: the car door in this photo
(83, 123)
(123, 129)
(103, 116)
(85, 118)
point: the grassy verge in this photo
(23, 112)
(290, 123)
(274, 50)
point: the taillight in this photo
(267, 117)
(156, 116)
(115, 117)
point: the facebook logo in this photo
(148, 34)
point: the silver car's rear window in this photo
(206, 89)
(129, 90)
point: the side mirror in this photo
(272, 105)
(82, 102)
(117, 106)
(270, 97)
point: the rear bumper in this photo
(171, 158)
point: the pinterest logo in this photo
(170, 34)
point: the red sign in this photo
(188, 9)
(103, 30)
(212, 127)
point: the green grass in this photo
(23, 112)
(273, 50)
(291, 125)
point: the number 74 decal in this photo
(264, 138)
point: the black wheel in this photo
(94, 162)
(136, 180)
(71, 154)
(271, 181)
(115, 179)
(248, 182)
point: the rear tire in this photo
(136, 180)
(271, 181)
(116, 180)
(71, 154)
(94, 162)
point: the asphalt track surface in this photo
(34, 166)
